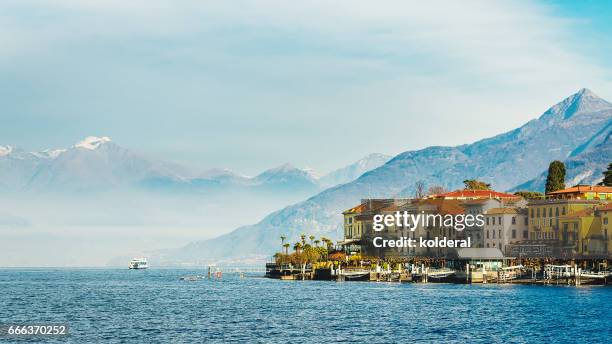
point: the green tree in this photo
(286, 246)
(556, 176)
(297, 247)
(473, 184)
(530, 194)
(607, 181)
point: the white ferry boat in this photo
(139, 263)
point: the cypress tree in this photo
(607, 181)
(556, 176)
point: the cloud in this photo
(250, 74)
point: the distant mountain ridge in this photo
(98, 163)
(505, 160)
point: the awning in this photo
(348, 242)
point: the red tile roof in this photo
(583, 188)
(496, 211)
(477, 194)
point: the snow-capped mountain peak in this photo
(49, 153)
(582, 102)
(92, 142)
(5, 150)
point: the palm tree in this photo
(283, 240)
(316, 242)
(286, 246)
(297, 247)
(303, 236)
(328, 243)
(312, 237)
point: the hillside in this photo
(505, 160)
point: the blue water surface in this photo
(150, 306)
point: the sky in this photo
(249, 85)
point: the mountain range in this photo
(97, 163)
(576, 130)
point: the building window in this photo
(513, 220)
(487, 234)
(514, 234)
(605, 220)
(487, 221)
(493, 234)
(499, 220)
(499, 233)
(487, 244)
(526, 222)
(550, 222)
(549, 212)
(531, 212)
(525, 234)
(563, 211)
(557, 211)
(538, 213)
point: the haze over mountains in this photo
(97, 163)
(96, 199)
(87, 203)
(576, 130)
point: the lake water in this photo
(148, 306)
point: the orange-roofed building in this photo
(588, 192)
(475, 194)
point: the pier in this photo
(466, 270)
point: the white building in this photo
(505, 226)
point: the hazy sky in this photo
(253, 84)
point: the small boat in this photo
(440, 274)
(191, 278)
(139, 263)
(596, 275)
(359, 275)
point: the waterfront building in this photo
(430, 231)
(504, 226)
(358, 219)
(587, 231)
(544, 216)
(585, 192)
(481, 206)
(604, 213)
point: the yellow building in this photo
(545, 215)
(587, 192)
(353, 229)
(604, 213)
(357, 218)
(580, 230)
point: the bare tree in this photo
(436, 190)
(419, 189)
